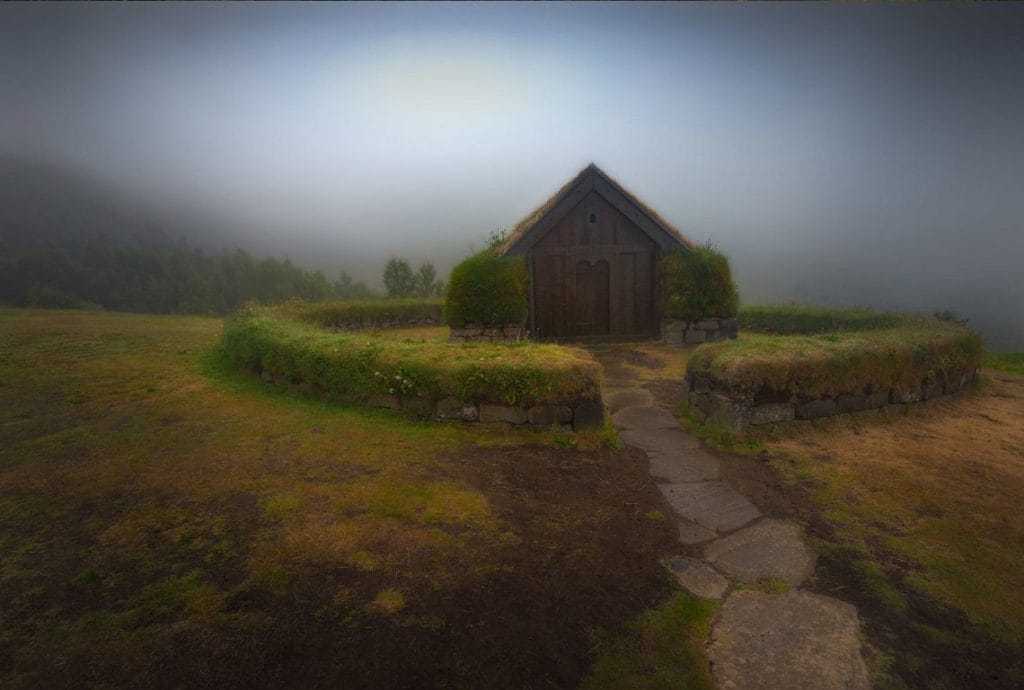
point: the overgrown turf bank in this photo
(354, 315)
(830, 362)
(518, 382)
(797, 319)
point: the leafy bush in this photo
(358, 367)
(340, 313)
(487, 290)
(697, 283)
(792, 319)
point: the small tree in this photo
(399, 280)
(425, 280)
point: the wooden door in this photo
(591, 299)
(551, 299)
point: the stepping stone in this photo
(691, 533)
(659, 440)
(644, 417)
(714, 505)
(697, 577)
(796, 640)
(628, 397)
(609, 386)
(770, 549)
(676, 467)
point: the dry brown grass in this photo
(941, 490)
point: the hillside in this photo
(68, 241)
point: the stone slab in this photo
(769, 549)
(796, 640)
(851, 403)
(815, 409)
(549, 414)
(697, 577)
(690, 533)
(502, 413)
(589, 415)
(714, 505)
(680, 466)
(452, 408)
(644, 417)
(659, 440)
(772, 413)
(628, 397)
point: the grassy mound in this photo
(806, 320)
(846, 352)
(342, 313)
(358, 367)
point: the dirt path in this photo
(769, 632)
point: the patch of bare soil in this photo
(582, 555)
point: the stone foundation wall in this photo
(576, 416)
(742, 413)
(677, 333)
(471, 333)
(374, 323)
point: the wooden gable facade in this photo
(592, 252)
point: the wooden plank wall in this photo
(570, 281)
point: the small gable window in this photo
(593, 217)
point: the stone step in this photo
(715, 505)
(627, 397)
(676, 467)
(769, 549)
(644, 417)
(697, 577)
(796, 640)
(659, 440)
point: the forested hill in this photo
(66, 241)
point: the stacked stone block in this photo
(739, 413)
(678, 333)
(373, 323)
(475, 333)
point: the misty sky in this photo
(845, 154)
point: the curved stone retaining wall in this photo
(575, 415)
(739, 413)
(677, 333)
(375, 323)
(471, 333)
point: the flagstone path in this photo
(760, 639)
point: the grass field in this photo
(168, 521)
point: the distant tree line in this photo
(160, 279)
(68, 242)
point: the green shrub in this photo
(340, 313)
(697, 283)
(793, 319)
(487, 290)
(357, 367)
